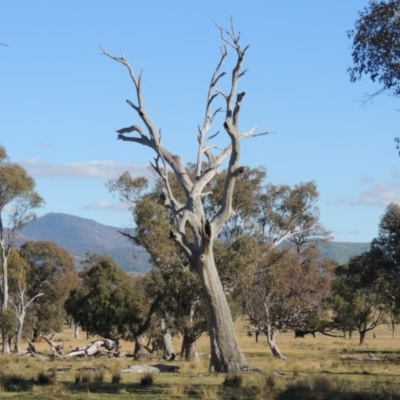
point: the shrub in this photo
(116, 377)
(15, 383)
(233, 379)
(44, 379)
(147, 380)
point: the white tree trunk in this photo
(76, 331)
(226, 355)
(167, 347)
(6, 341)
(21, 319)
(272, 333)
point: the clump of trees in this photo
(36, 277)
(18, 199)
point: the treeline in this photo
(271, 273)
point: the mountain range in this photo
(80, 235)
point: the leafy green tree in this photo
(50, 271)
(383, 260)
(173, 282)
(17, 200)
(375, 45)
(111, 303)
(100, 303)
(358, 303)
(18, 293)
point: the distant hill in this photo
(341, 252)
(80, 235)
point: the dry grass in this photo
(312, 370)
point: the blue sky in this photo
(61, 100)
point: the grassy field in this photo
(314, 369)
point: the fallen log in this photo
(140, 369)
(167, 368)
(94, 348)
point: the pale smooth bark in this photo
(167, 347)
(21, 305)
(76, 331)
(271, 334)
(189, 214)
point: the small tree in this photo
(358, 303)
(18, 298)
(51, 271)
(193, 231)
(286, 292)
(17, 200)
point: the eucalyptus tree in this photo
(289, 280)
(111, 303)
(375, 45)
(193, 231)
(358, 302)
(51, 271)
(380, 265)
(181, 303)
(18, 293)
(285, 292)
(18, 199)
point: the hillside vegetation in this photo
(80, 235)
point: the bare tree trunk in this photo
(167, 347)
(189, 349)
(272, 333)
(21, 318)
(4, 308)
(37, 335)
(137, 352)
(226, 355)
(362, 337)
(76, 331)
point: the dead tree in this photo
(193, 232)
(56, 347)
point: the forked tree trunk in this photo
(271, 336)
(226, 355)
(189, 349)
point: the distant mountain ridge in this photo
(80, 235)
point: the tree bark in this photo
(138, 351)
(76, 331)
(272, 333)
(362, 337)
(167, 347)
(21, 318)
(226, 355)
(189, 349)
(4, 308)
